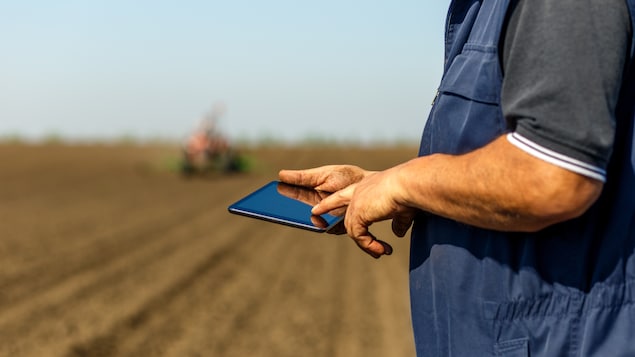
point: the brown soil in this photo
(106, 252)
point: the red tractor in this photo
(206, 150)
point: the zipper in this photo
(436, 95)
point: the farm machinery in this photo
(207, 150)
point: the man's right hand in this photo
(328, 179)
(331, 179)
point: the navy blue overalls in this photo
(568, 290)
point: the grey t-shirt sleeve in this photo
(563, 62)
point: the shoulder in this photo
(549, 15)
(563, 63)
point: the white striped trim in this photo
(555, 158)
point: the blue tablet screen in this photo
(285, 204)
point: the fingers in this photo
(329, 178)
(308, 196)
(366, 209)
(308, 178)
(402, 222)
(338, 229)
(341, 176)
(319, 222)
(356, 229)
(368, 243)
(372, 246)
(338, 212)
(334, 202)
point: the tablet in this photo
(285, 204)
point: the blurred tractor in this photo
(206, 150)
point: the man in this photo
(523, 197)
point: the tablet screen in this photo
(285, 204)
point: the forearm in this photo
(496, 187)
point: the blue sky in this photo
(345, 69)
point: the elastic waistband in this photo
(562, 304)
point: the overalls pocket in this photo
(466, 115)
(471, 73)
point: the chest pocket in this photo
(474, 74)
(466, 114)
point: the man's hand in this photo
(313, 197)
(339, 180)
(375, 198)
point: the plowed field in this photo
(105, 251)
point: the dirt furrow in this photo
(112, 245)
(170, 312)
(303, 306)
(251, 318)
(107, 290)
(97, 250)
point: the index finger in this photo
(335, 201)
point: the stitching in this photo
(511, 345)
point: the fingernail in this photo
(315, 208)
